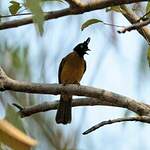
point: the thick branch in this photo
(133, 18)
(144, 119)
(55, 89)
(100, 4)
(135, 26)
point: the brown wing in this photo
(60, 68)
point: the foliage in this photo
(38, 17)
(35, 6)
(14, 7)
(90, 22)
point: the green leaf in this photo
(90, 22)
(13, 117)
(114, 8)
(14, 7)
(148, 9)
(38, 16)
(148, 56)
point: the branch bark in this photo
(144, 119)
(133, 18)
(135, 26)
(46, 106)
(100, 4)
(102, 96)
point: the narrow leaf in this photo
(90, 22)
(14, 7)
(38, 16)
(148, 56)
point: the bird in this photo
(71, 70)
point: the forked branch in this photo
(96, 97)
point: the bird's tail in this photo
(64, 110)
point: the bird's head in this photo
(82, 48)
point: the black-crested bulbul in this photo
(71, 70)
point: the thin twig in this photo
(143, 17)
(132, 18)
(18, 106)
(114, 25)
(135, 26)
(145, 119)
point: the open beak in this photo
(86, 51)
(87, 41)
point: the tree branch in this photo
(100, 4)
(145, 119)
(55, 89)
(133, 18)
(135, 26)
(144, 17)
(46, 106)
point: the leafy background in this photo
(117, 63)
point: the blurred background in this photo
(116, 62)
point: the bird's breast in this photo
(73, 69)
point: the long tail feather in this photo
(64, 110)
